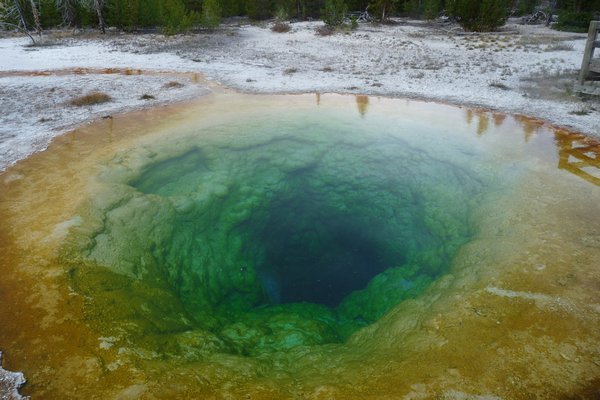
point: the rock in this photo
(10, 382)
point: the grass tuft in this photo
(550, 84)
(281, 27)
(499, 85)
(173, 85)
(90, 99)
(580, 112)
(324, 30)
(561, 46)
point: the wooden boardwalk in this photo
(590, 66)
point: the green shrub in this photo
(150, 13)
(211, 14)
(334, 12)
(230, 8)
(281, 15)
(431, 9)
(173, 85)
(412, 8)
(381, 9)
(51, 15)
(573, 21)
(480, 15)
(524, 7)
(175, 18)
(259, 9)
(281, 27)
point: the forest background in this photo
(179, 16)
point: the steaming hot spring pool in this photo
(304, 247)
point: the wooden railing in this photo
(590, 67)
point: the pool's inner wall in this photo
(220, 231)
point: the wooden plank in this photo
(597, 44)
(594, 65)
(589, 51)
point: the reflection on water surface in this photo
(579, 155)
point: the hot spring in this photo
(271, 247)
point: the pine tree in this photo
(14, 10)
(36, 17)
(382, 9)
(99, 8)
(480, 15)
(68, 10)
(132, 18)
(211, 14)
(431, 9)
(149, 14)
(175, 17)
(412, 7)
(11, 14)
(230, 8)
(334, 12)
(259, 9)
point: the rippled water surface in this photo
(305, 247)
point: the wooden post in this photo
(589, 51)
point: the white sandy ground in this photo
(524, 69)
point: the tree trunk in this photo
(36, 17)
(550, 12)
(99, 5)
(21, 16)
(19, 28)
(70, 13)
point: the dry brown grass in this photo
(499, 85)
(90, 99)
(324, 30)
(561, 46)
(129, 71)
(281, 27)
(551, 84)
(173, 85)
(580, 111)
